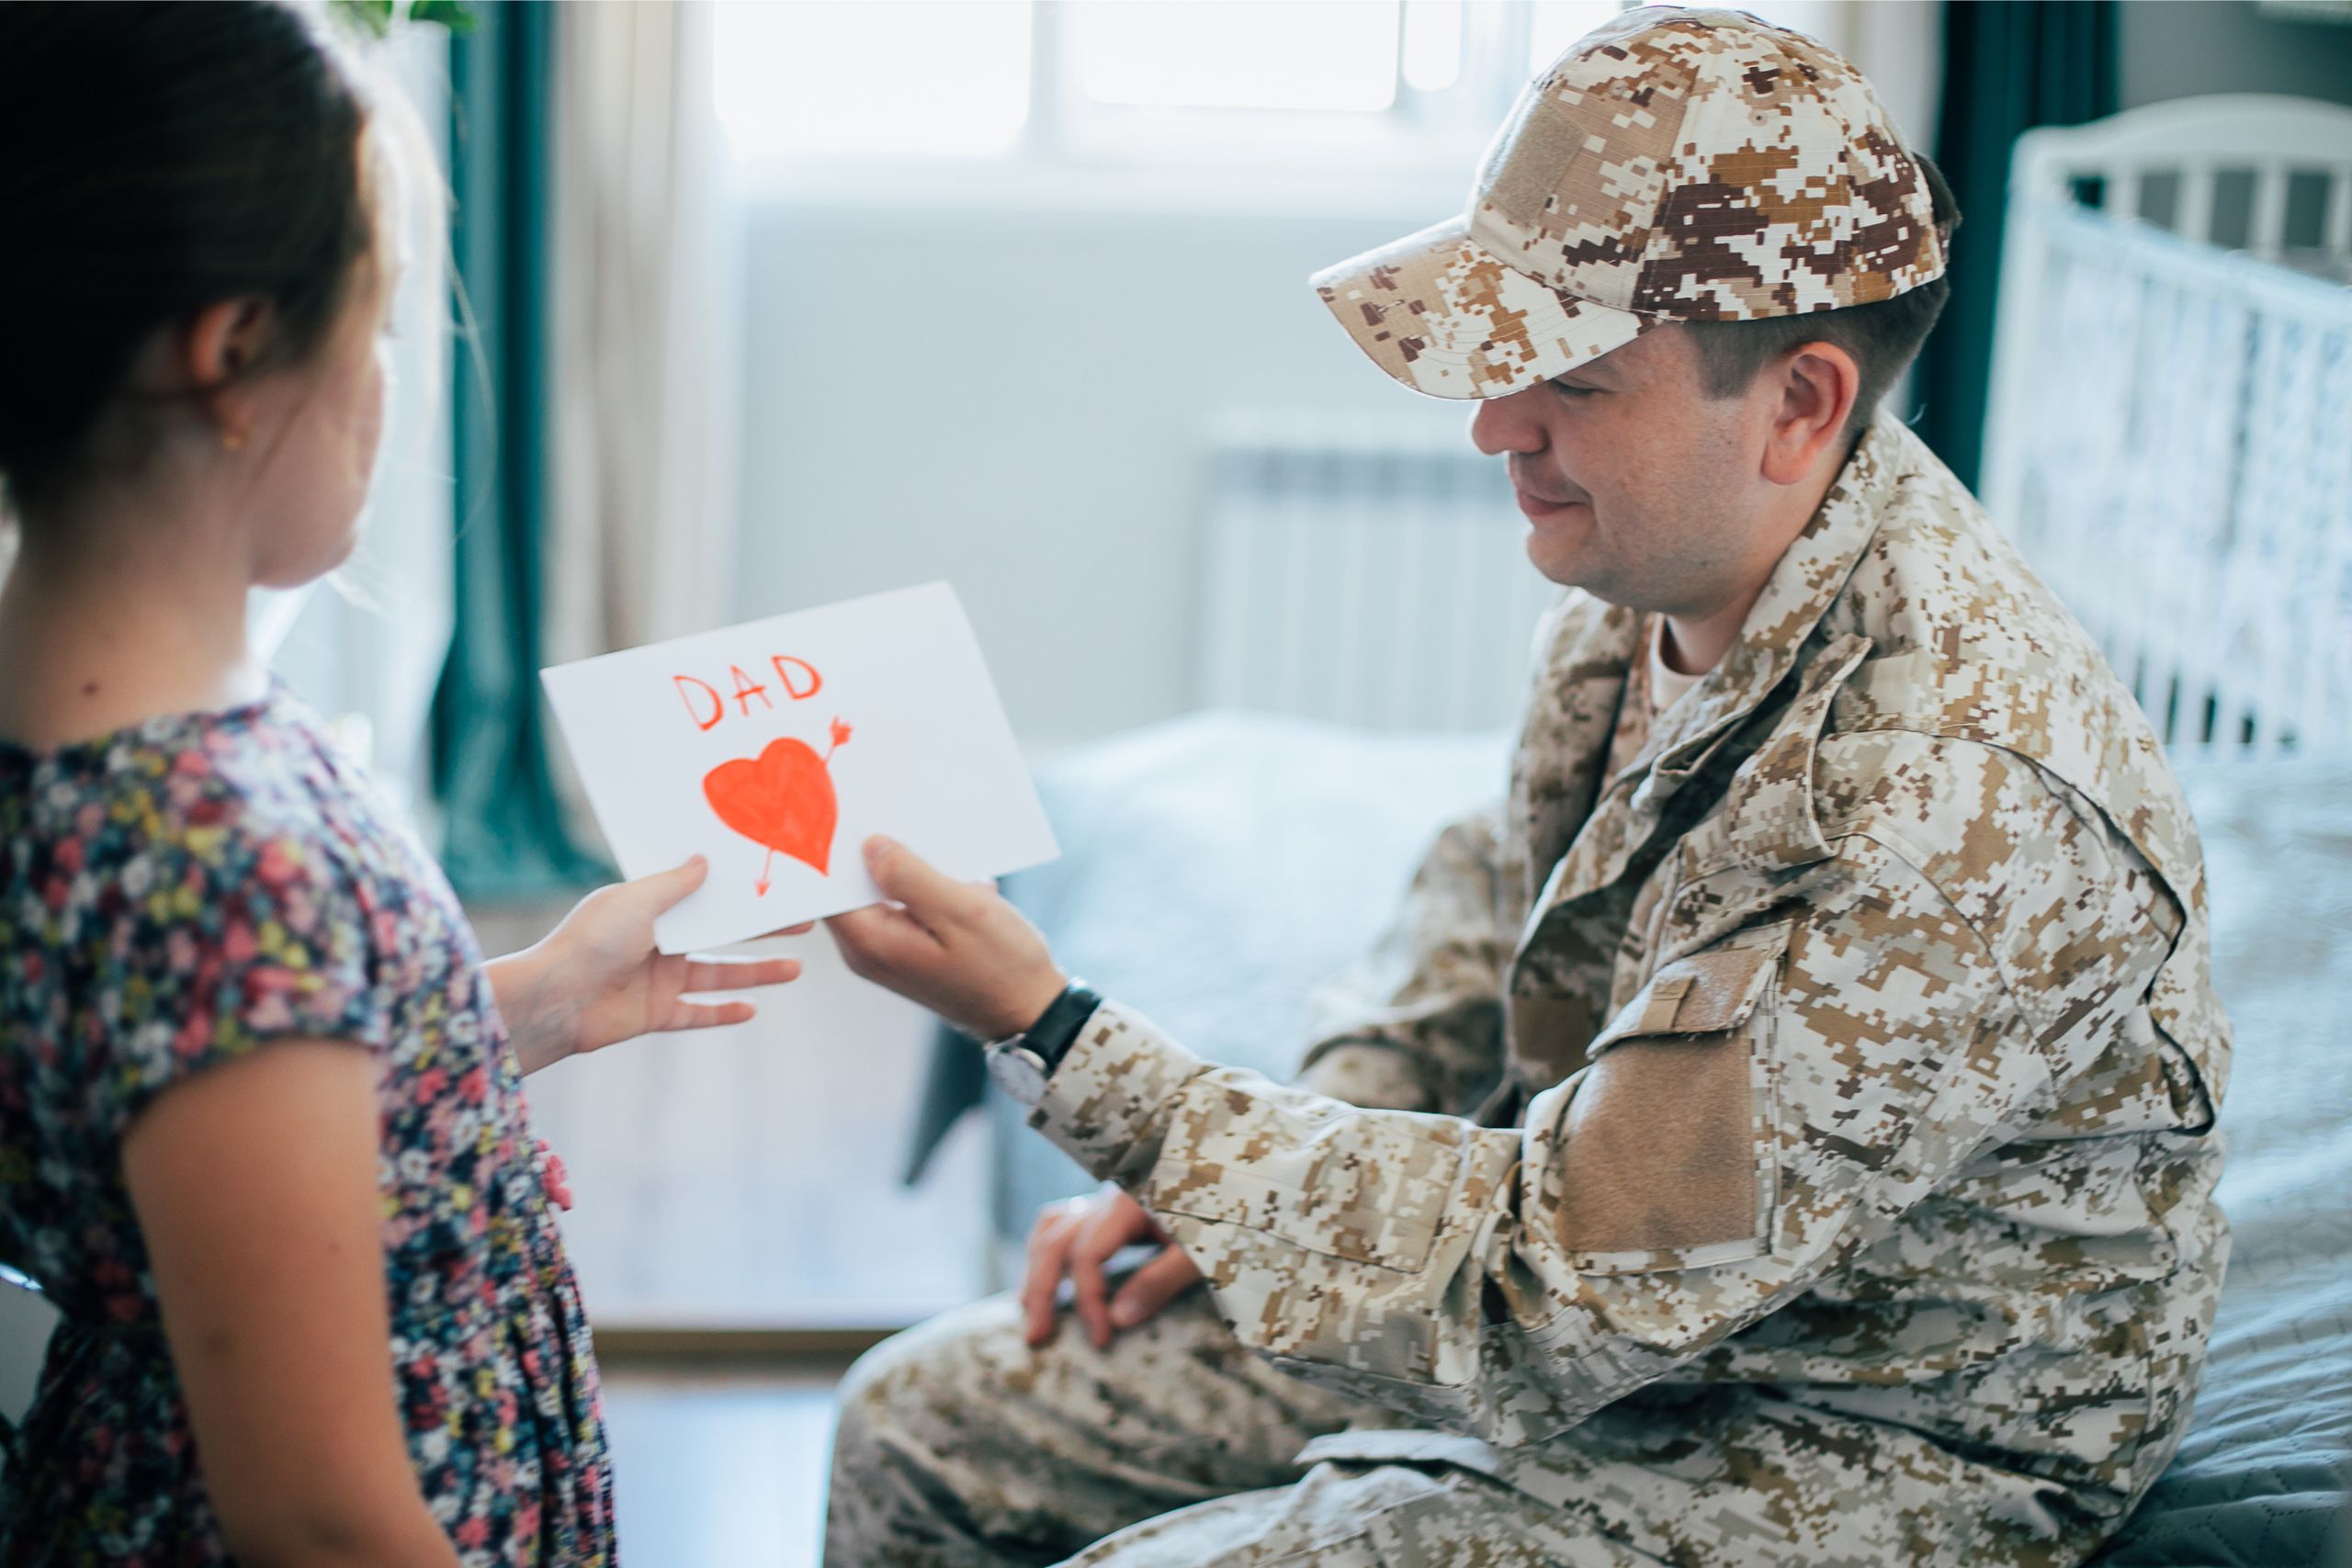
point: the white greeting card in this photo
(776, 747)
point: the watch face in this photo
(1019, 1071)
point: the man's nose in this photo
(1510, 424)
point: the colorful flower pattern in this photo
(172, 897)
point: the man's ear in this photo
(1818, 384)
(217, 346)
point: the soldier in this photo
(1782, 1135)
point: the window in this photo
(834, 76)
(1553, 25)
(1272, 105)
(1328, 55)
(1161, 80)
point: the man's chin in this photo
(1566, 561)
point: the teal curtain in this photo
(503, 830)
(2010, 66)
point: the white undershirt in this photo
(1667, 683)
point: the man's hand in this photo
(955, 947)
(1076, 1239)
(596, 979)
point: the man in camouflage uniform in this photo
(1782, 1135)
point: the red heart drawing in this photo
(784, 799)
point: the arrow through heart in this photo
(782, 799)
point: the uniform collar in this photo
(1810, 575)
(1586, 850)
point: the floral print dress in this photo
(172, 897)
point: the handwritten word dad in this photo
(797, 678)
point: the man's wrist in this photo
(1055, 1028)
(1022, 1063)
(1021, 1014)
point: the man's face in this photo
(1637, 485)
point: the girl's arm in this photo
(597, 978)
(254, 1184)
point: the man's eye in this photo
(1568, 388)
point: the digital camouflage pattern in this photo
(960, 1446)
(1845, 1065)
(1673, 166)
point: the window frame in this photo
(1072, 152)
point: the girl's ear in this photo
(217, 346)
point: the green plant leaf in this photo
(373, 17)
(454, 14)
(377, 18)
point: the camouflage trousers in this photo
(960, 1447)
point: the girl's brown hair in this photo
(161, 158)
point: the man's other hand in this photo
(1076, 1239)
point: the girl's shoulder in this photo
(259, 780)
(200, 881)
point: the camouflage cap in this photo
(1673, 166)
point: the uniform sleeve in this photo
(1418, 1026)
(218, 940)
(1508, 1282)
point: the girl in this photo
(261, 1114)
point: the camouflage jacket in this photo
(1853, 1046)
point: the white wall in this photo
(2180, 49)
(1011, 400)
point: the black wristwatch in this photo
(1022, 1063)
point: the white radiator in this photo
(1363, 570)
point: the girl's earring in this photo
(232, 440)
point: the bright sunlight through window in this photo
(1553, 25)
(802, 79)
(1432, 44)
(1335, 55)
(820, 76)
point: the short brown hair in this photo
(1884, 336)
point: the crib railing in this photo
(2170, 440)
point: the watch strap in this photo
(1057, 1029)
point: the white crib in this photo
(2170, 434)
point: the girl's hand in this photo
(596, 979)
(956, 947)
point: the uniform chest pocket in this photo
(1668, 1150)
